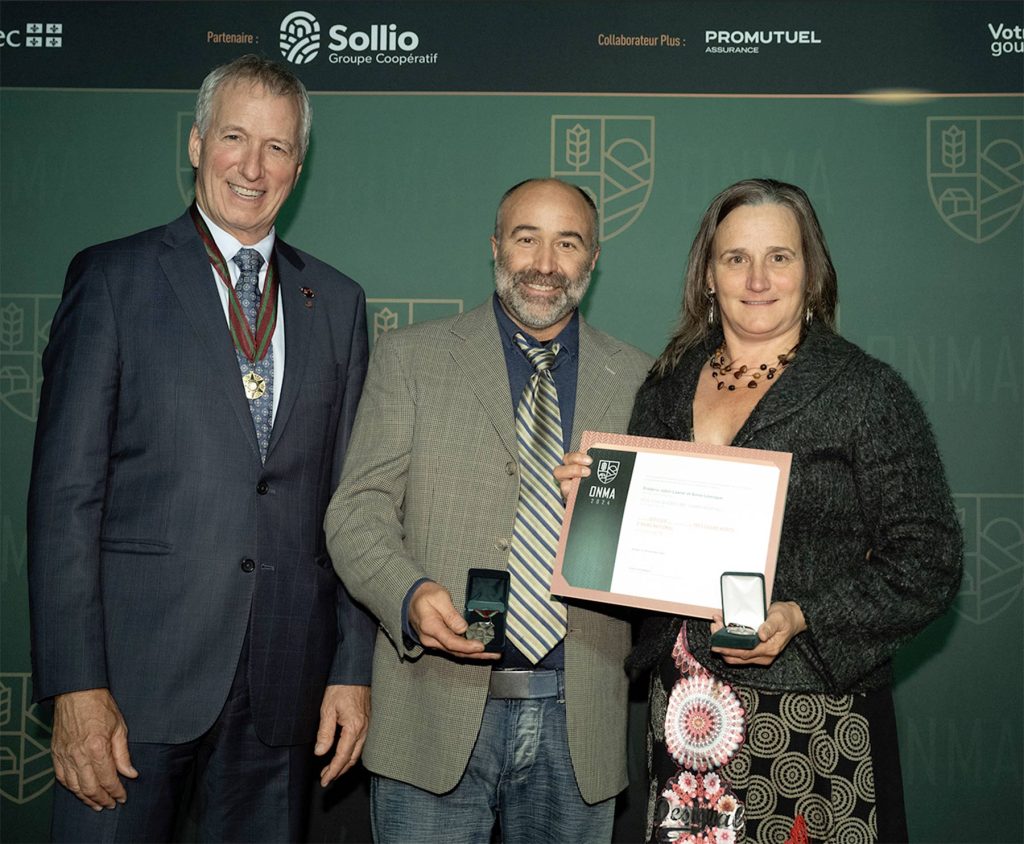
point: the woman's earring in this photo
(809, 316)
(711, 306)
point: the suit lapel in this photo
(596, 381)
(188, 272)
(298, 333)
(476, 350)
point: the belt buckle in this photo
(523, 684)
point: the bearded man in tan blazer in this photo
(460, 737)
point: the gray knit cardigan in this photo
(871, 548)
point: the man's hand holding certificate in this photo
(657, 522)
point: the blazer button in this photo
(262, 487)
(510, 468)
(247, 565)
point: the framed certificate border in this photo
(601, 557)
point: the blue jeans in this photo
(519, 773)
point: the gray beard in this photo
(510, 285)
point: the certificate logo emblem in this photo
(607, 470)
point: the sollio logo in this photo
(300, 37)
(381, 37)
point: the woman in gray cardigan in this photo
(795, 739)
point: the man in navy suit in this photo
(201, 381)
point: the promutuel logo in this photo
(300, 37)
(744, 41)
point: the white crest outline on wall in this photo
(184, 172)
(24, 332)
(26, 767)
(610, 156)
(975, 169)
(993, 554)
(386, 314)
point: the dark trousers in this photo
(244, 790)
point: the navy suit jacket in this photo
(156, 535)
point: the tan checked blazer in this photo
(429, 490)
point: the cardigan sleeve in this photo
(913, 568)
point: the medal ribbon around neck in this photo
(252, 347)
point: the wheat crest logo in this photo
(609, 156)
(976, 173)
(300, 37)
(385, 315)
(24, 332)
(607, 470)
(26, 769)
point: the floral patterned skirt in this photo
(733, 764)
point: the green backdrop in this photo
(919, 197)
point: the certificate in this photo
(658, 521)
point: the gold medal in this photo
(255, 385)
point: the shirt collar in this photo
(229, 245)
(568, 338)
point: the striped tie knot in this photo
(541, 357)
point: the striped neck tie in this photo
(536, 623)
(249, 262)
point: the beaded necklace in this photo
(720, 368)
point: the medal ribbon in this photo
(254, 347)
